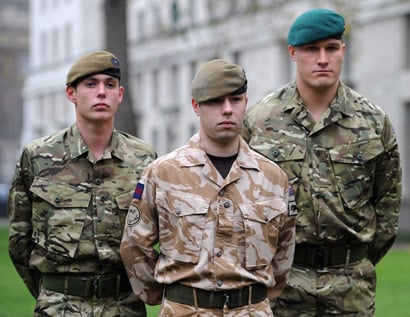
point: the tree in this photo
(116, 42)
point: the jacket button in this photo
(57, 199)
(275, 152)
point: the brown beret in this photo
(218, 78)
(99, 62)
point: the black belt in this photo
(309, 255)
(215, 299)
(104, 285)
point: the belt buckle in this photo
(91, 286)
(96, 289)
(319, 257)
(227, 301)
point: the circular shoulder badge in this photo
(134, 216)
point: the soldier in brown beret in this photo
(69, 198)
(221, 213)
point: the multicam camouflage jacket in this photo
(344, 169)
(67, 210)
(213, 233)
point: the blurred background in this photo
(160, 44)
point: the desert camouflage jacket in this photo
(66, 209)
(344, 169)
(213, 233)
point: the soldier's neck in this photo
(317, 100)
(96, 136)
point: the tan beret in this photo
(218, 78)
(99, 62)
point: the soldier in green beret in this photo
(221, 213)
(341, 156)
(69, 198)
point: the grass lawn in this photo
(16, 301)
(392, 296)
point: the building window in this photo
(43, 5)
(155, 88)
(174, 84)
(175, 14)
(211, 10)
(141, 25)
(171, 115)
(407, 42)
(407, 132)
(155, 139)
(67, 40)
(157, 20)
(41, 108)
(43, 48)
(54, 45)
(193, 68)
(193, 12)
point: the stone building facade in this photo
(168, 39)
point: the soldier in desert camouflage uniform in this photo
(69, 198)
(340, 153)
(222, 214)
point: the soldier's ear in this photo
(195, 106)
(292, 52)
(70, 93)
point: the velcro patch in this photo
(133, 216)
(292, 209)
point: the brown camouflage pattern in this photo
(67, 210)
(213, 233)
(344, 169)
(172, 309)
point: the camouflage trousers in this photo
(337, 291)
(173, 309)
(54, 304)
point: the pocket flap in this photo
(60, 194)
(182, 204)
(358, 152)
(263, 211)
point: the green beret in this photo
(218, 78)
(315, 25)
(100, 62)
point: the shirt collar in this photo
(342, 103)
(195, 154)
(78, 147)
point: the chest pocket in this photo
(123, 201)
(289, 156)
(58, 215)
(112, 217)
(262, 221)
(354, 167)
(182, 219)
